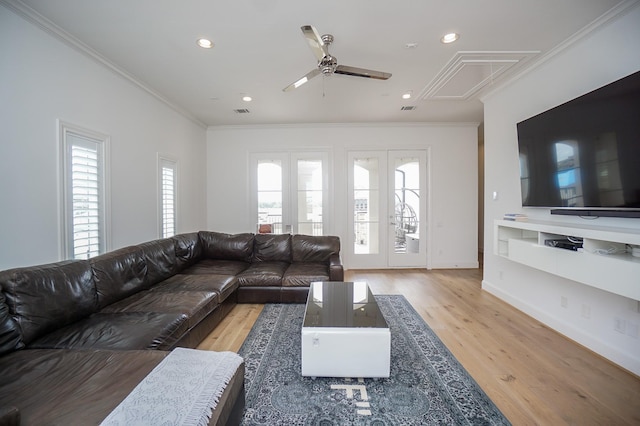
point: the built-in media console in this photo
(604, 260)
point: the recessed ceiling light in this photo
(411, 45)
(406, 95)
(247, 98)
(205, 43)
(450, 38)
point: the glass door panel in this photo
(387, 209)
(289, 191)
(270, 196)
(367, 209)
(407, 171)
(366, 199)
(310, 197)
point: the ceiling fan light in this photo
(450, 38)
(205, 43)
(300, 82)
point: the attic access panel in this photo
(469, 72)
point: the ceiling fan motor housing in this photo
(328, 64)
(327, 39)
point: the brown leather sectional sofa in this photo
(77, 336)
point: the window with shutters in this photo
(84, 192)
(168, 171)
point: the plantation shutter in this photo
(168, 197)
(85, 196)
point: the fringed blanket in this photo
(183, 389)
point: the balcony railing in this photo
(307, 228)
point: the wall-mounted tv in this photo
(585, 154)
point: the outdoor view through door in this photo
(406, 205)
(389, 209)
(290, 194)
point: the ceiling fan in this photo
(328, 64)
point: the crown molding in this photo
(619, 10)
(33, 17)
(385, 124)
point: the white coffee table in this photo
(344, 334)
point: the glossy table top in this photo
(342, 304)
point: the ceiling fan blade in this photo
(302, 80)
(315, 41)
(361, 72)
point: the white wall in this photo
(453, 175)
(43, 80)
(606, 54)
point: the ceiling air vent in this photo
(241, 111)
(408, 108)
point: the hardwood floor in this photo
(533, 374)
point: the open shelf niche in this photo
(603, 262)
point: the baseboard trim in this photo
(620, 358)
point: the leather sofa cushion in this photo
(10, 338)
(216, 245)
(81, 387)
(306, 248)
(194, 304)
(74, 387)
(304, 273)
(160, 257)
(46, 297)
(118, 274)
(120, 331)
(272, 248)
(188, 249)
(9, 416)
(217, 266)
(265, 274)
(223, 285)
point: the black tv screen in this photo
(584, 153)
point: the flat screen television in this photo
(583, 157)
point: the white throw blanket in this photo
(183, 389)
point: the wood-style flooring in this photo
(533, 374)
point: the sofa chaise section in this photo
(81, 387)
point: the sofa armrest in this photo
(336, 271)
(9, 416)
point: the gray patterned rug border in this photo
(427, 384)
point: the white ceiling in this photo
(259, 49)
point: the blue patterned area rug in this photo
(427, 386)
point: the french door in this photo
(290, 193)
(387, 209)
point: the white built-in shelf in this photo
(617, 272)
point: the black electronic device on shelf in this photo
(564, 243)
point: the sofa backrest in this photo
(216, 245)
(272, 248)
(308, 248)
(160, 257)
(118, 274)
(46, 297)
(188, 249)
(10, 337)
